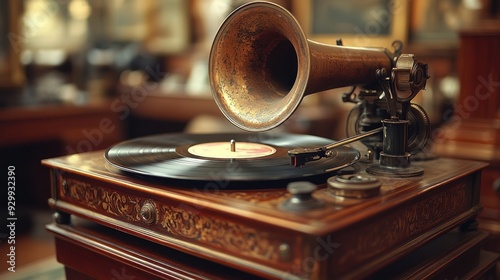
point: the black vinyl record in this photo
(174, 156)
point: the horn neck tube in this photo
(261, 66)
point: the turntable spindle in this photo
(233, 145)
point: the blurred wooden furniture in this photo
(31, 133)
(88, 127)
(473, 131)
(148, 226)
(179, 107)
(160, 112)
(11, 73)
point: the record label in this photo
(229, 150)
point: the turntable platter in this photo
(231, 157)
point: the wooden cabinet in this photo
(411, 228)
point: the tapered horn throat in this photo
(261, 66)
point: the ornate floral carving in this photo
(186, 223)
(82, 192)
(396, 227)
(182, 222)
(98, 198)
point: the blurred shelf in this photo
(175, 107)
(65, 123)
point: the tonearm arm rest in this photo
(300, 156)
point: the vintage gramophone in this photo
(155, 208)
(261, 66)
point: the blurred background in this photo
(80, 75)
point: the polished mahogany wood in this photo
(91, 251)
(247, 229)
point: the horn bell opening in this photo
(259, 66)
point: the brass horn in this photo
(261, 66)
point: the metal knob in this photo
(148, 213)
(302, 199)
(496, 186)
(65, 187)
(356, 186)
(285, 252)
